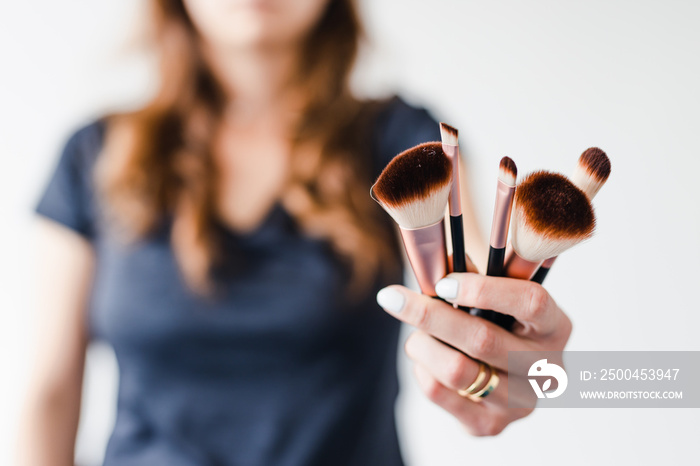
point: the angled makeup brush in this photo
(550, 215)
(590, 174)
(505, 191)
(450, 145)
(413, 189)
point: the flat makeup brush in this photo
(505, 190)
(550, 215)
(413, 189)
(450, 145)
(590, 174)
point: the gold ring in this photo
(489, 388)
(476, 384)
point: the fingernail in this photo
(447, 288)
(391, 300)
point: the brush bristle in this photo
(414, 187)
(592, 171)
(507, 171)
(449, 134)
(550, 215)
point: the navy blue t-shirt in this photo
(278, 370)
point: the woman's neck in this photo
(259, 83)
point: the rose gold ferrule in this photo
(549, 262)
(455, 200)
(517, 267)
(501, 215)
(427, 254)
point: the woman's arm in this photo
(52, 409)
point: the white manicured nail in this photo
(447, 288)
(391, 300)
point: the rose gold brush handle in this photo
(459, 254)
(426, 252)
(497, 249)
(517, 267)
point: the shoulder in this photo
(398, 126)
(77, 159)
(395, 109)
(68, 198)
(85, 143)
(80, 152)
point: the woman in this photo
(223, 241)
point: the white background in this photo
(539, 81)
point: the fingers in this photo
(472, 335)
(527, 301)
(453, 369)
(477, 418)
(450, 341)
(466, 411)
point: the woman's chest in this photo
(281, 291)
(252, 170)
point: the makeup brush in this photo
(590, 174)
(413, 189)
(592, 171)
(505, 190)
(550, 215)
(450, 145)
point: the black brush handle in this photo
(459, 255)
(465, 309)
(502, 320)
(540, 275)
(497, 257)
(495, 268)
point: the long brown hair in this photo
(158, 160)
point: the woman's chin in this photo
(255, 23)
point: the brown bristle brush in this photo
(591, 173)
(550, 215)
(450, 145)
(414, 189)
(505, 191)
